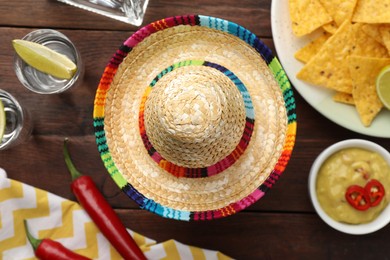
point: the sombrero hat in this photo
(194, 118)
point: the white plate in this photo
(286, 45)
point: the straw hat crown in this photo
(194, 118)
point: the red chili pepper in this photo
(376, 192)
(47, 249)
(358, 197)
(101, 212)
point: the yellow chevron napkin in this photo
(50, 216)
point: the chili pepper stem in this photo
(73, 171)
(33, 241)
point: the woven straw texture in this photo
(194, 118)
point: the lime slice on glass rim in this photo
(383, 86)
(45, 59)
(2, 120)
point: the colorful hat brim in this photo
(109, 74)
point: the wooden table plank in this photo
(250, 235)
(281, 225)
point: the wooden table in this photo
(283, 224)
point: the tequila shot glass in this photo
(18, 124)
(43, 83)
(128, 11)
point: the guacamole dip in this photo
(351, 166)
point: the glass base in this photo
(18, 125)
(128, 11)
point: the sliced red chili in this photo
(358, 197)
(376, 192)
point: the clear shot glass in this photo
(43, 83)
(128, 11)
(18, 123)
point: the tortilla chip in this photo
(340, 11)
(309, 50)
(307, 16)
(385, 34)
(372, 30)
(329, 67)
(363, 73)
(344, 98)
(372, 11)
(330, 27)
(366, 46)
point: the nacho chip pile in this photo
(349, 53)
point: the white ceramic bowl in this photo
(357, 229)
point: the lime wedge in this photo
(383, 86)
(45, 59)
(2, 120)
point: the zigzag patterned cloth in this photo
(50, 216)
